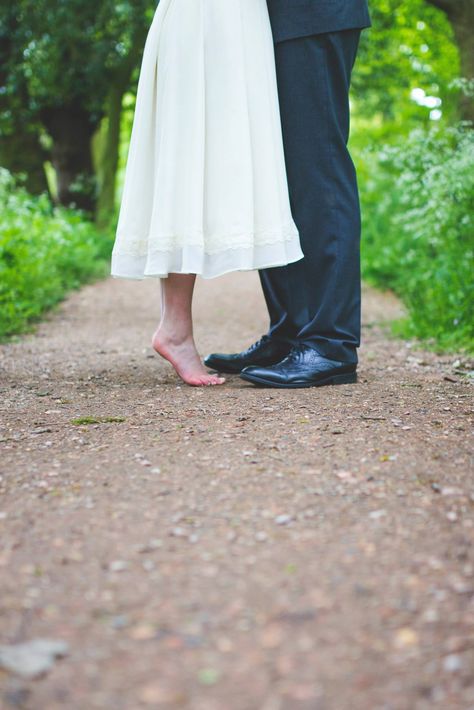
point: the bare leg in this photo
(174, 339)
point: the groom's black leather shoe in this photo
(263, 353)
(303, 367)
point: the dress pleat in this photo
(205, 187)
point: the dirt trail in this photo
(233, 548)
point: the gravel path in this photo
(232, 548)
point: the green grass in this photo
(45, 252)
(87, 421)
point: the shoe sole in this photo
(223, 370)
(236, 371)
(348, 378)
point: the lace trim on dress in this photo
(211, 244)
(193, 260)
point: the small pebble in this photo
(377, 514)
(452, 663)
(178, 532)
(153, 544)
(451, 491)
(32, 659)
(118, 566)
(405, 638)
(119, 622)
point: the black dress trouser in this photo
(316, 301)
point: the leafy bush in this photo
(44, 252)
(418, 209)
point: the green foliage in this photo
(64, 65)
(44, 252)
(418, 208)
(67, 52)
(417, 188)
(410, 46)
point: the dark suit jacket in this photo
(301, 18)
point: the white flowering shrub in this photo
(418, 233)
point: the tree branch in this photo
(447, 6)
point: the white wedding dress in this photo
(205, 187)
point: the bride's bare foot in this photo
(182, 354)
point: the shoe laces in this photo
(256, 345)
(295, 352)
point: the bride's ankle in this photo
(165, 336)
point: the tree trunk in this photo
(464, 31)
(109, 141)
(460, 14)
(21, 152)
(108, 148)
(20, 149)
(71, 129)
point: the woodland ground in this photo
(233, 548)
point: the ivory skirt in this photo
(205, 188)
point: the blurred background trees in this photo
(66, 66)
(460, 14)
(413, 143)
(68, 76)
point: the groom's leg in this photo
(279, 296)
(317, 300)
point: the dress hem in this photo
(193, 260)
